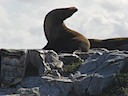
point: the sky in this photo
(21, 21)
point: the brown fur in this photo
(60, 38)
(111, 44)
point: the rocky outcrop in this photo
(77, 74)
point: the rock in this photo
(69, 58)
(45, 86)
(30, 82)
(81, 85)
(28, 91)
(104, 60)
(7, 91)
(51, 62)
(97, 70)
(71, 63)
(98, 83)
(56, 87)
(43, 60)
(35, 63)
(123, 47)
(102, 66)
(16, 64)
(12, 66)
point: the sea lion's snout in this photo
(69, 12)
(73, 8)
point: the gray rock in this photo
(45, 86)
(12, 66)
(102, 67)
(123, 47)
(71, 63)
(35, 63)
(98, 83)
(28, 91)
(56, 87)
(97, 70)
(30, 82)
(81, 86)
(44, 60)
(69, 58)
(7, 91)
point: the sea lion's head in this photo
(60, 14)
(54, 20)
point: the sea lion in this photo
(60, 38)
(110, 44)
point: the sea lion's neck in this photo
(53, 30)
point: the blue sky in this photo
(21, 21)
